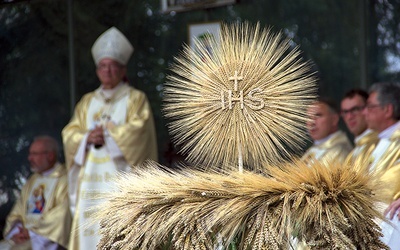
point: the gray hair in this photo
(50, 143)
(388, 93)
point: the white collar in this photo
(319, 142)
(49, 171)
(108, 93)
(366, 132)
(388, 132)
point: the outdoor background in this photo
(46, 65)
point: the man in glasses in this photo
(40, 219)
(352, 106)
(382, 114)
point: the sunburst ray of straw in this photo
(329, 207)
(242, 98)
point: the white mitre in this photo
(112, 44)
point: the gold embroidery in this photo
(92, 178)
(98, 159)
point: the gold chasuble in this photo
(386, 163)
(43, 207)
(364, 145)
(128, 120)
(336, 148)
(381, 157)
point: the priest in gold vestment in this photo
(112, 129)
(382, 113)
(329, 142)
(40, 219)
(351, 110)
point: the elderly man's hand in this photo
(96, 137)
(393, 208)
(21, 237)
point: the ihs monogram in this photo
(253, 102)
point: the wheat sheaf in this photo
(239, 100)
(326, 206)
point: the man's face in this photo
(39, 157)
(352, 114)
(323, 122)
(375, 113)
(110, 72)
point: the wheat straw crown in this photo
(241, 99)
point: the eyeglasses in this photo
(354, 110)
(372, 106)
(113, 66)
